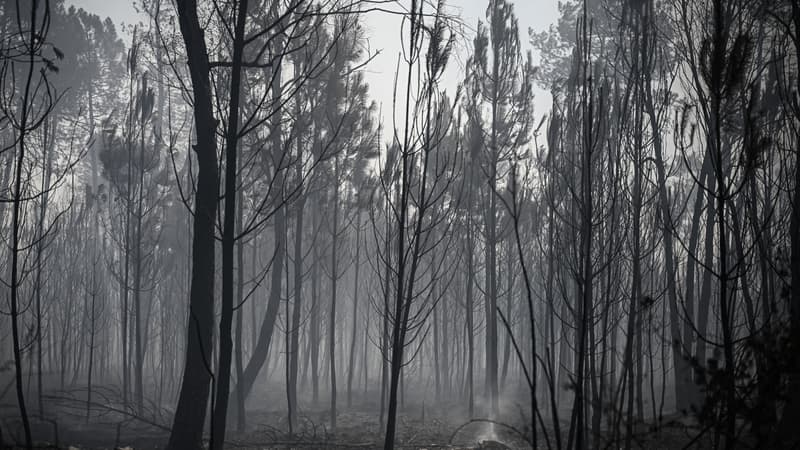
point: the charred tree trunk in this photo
(220, 413)
(351, 362)
(334, 279)
(187, 429)
(294, 351)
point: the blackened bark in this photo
(187, 429)
(334, 279)
(351, 360)
(294, 353)
(228, 237)
(15, 232)
(239, 350)
(261, 350)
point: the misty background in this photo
(400, 224)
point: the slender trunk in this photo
(220, 413)
(721, 195)
(586, 271)
(470, 326)
(440, 299)
(351, 363)
(435, 338)
(334, 280)
(48, 157)
(294, 351)
(127, 250)
(403, 188)
(385, 316)
(137, 280)
(238, 341)
(509, 306)
(16, 225)
(314, 337)
(262, 346)
(681, 344)
(634, 331)
(94, 284)
(91, 345)
(632, 328)
(365, 359)
(287, 341)
(491, 291)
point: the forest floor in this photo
(437, 425)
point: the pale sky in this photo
(383, 31)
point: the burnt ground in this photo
(442, 424)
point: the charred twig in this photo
(112, 409)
